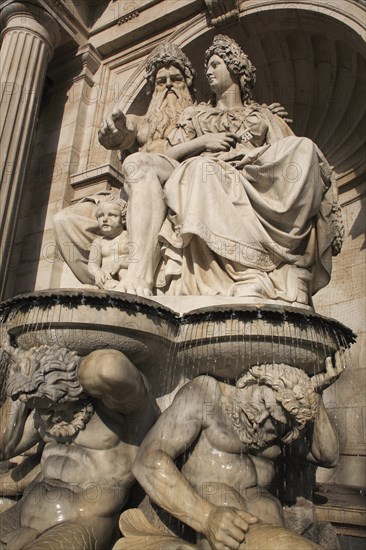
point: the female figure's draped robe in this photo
(264, 230)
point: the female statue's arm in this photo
(211, 143)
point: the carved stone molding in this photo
(222, 12)
(82, 65)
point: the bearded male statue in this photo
(170, 79)
(227, 437)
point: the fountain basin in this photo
(220, 339)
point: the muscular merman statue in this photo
(92, 414)
(230, 437)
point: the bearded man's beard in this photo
(164, 111)
(243, 418)
(56, 426)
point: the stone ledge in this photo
(343, 506)
(97, 179)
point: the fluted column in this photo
(29, 37)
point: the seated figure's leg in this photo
(75, 228)
(145, 174)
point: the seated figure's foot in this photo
(135, 286)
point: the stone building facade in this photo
(67, 63)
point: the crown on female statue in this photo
(230, 50)
(236, 61)
(227, 43)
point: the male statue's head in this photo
(237, 62)
(170, 78)
(272, 402)
(52, 388)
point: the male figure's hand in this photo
(279, 110)
(113, 130)
(333, 369)
(226, 527)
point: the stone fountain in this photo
(224, 340)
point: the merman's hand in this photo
(226, 527)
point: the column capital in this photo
(22, 16)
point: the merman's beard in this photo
(63, 424)
(251, 434)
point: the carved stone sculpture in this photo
(230, 436)
(252, 212)
(92, 414)
(170, 79)
(207, 252)
(108, 258)
(223, 200)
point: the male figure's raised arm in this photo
(110, 376)
(320, 446)
(324, 448)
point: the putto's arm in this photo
(95, 263)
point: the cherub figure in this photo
(108, 260)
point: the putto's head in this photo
(111, 216)
(169, 55)
(236, 61)
(275, 401)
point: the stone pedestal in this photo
(28, 41)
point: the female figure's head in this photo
(236, 61)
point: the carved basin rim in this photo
(133, 303)
(221, 339)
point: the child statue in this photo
(108, 260)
